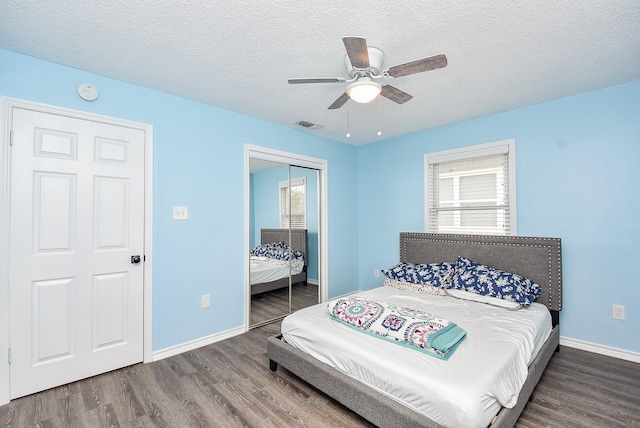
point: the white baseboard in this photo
(609, 351)
(313, 281)
(195, 344)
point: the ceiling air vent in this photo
(307, 125)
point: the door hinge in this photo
(11, 138)
(9, 355)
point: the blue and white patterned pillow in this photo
(433, 274)
(277, 250)
(487, 281)
(264, 250)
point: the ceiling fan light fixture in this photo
(364, 90)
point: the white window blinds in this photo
(293, 204)
(469, 191)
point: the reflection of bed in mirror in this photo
(268, 277)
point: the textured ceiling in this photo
(238, 55)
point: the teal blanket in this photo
(412, 328)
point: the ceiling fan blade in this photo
(317, 80)
(339, 102)
(357, 50)
(418, 66)
(395, 94)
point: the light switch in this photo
(180, 213)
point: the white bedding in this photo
(485, 373)
(264, 269)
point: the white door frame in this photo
(264, 153)
(6, 106)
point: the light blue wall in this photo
(198, 163)
(266, 208)
(578, 178)
(266, 200)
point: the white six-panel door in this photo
(76, 220)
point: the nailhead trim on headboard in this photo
(552, 288)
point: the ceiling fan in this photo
(363, 65)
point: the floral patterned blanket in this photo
(412, 328)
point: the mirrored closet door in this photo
(284, 227)
(305, 220)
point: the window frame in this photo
(498, 147)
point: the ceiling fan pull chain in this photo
(379, 116)
(348, 125)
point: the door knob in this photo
(135, 259)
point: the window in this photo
(293, 205)
(471, 190)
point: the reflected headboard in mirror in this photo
(298, 238)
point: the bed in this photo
(268, 277)
(538, 259)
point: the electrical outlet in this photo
(376, 273)
(204, 301)
(618, 312)
(180, 213)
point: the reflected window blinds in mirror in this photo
(293, 203)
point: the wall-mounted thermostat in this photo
(87, 92)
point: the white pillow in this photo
(466, 295)
(416, 288)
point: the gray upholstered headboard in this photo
(539, 259)
(298, 238)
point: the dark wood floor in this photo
(275, 304)
(582, 389)
(228, 384)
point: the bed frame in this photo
(298, 242)
(538, 259)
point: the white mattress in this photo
(485, 373)
(264, 269)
